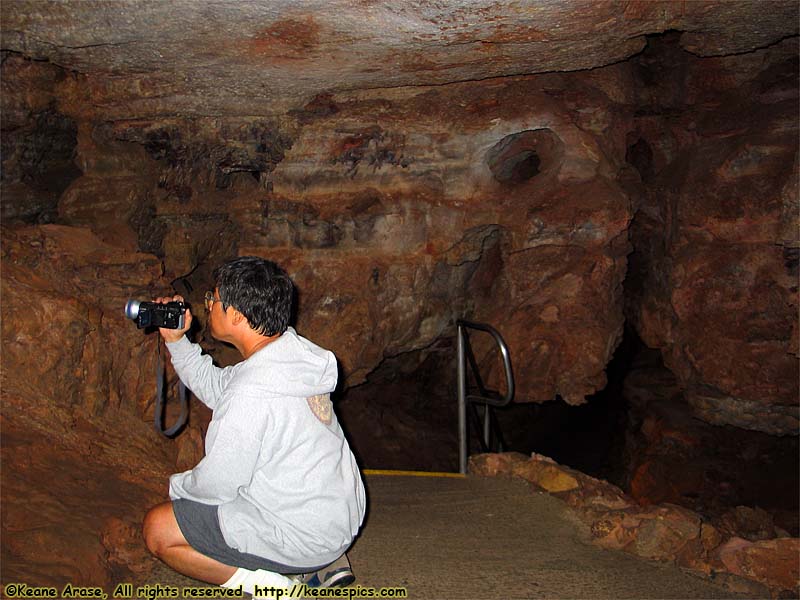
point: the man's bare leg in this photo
(165, 540)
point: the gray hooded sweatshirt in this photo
(277, 463)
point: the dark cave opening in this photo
(405, 417)
(637, 433)
(588, 437)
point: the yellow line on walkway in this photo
(411, 473)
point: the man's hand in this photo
(173, 335)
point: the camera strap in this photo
(183, 395)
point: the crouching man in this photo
(278, 491)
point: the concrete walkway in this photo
(495, 538)
(477, 538)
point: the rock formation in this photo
(553, 169)
(716, 232)
(759, 567)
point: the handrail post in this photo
(487, 427)
(489, 398)
(462, 403)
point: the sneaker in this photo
(336, 574)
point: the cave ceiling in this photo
(186, 57)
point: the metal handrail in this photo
(488, 398)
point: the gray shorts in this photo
(199, 524)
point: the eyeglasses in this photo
(210, 300)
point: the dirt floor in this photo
(478, 538)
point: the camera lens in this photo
(132, 309)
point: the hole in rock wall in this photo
(522, 156)
(640, 155)
(519, 167)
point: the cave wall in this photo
(714, 279)
(80, 463)
(403, 225)
(512, 201)
(37, 143)
(396, 212)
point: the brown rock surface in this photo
(38, 141)
(241, 57)
(719, 296)
(506, 200)
(396, 214)
(549, 477)
(80, 463)
(407, 172)
(775, 562)
(413, 230)
(662, 532)
(668, 460)
(495, 465)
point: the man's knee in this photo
(154, 529)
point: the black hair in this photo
(259, 289)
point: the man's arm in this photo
(197, 371)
